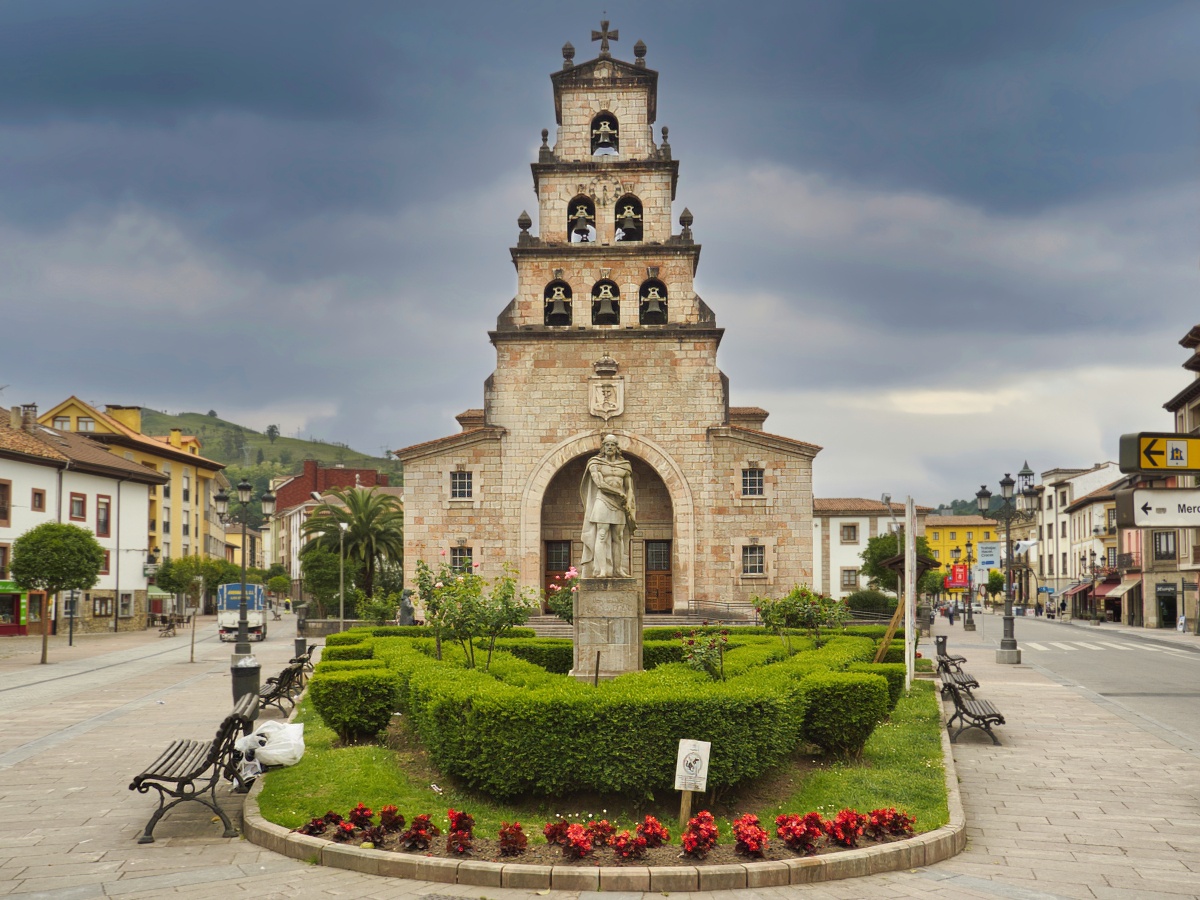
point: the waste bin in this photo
(300, 645)
(246, 674)
(940, 643)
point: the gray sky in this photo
(942, 237)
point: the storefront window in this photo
(35, 607)
(10, 609)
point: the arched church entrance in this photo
(651, 549)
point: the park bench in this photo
(283, 688)
(949, 663)
(171, 622)
(964, 682)
(190, 770)
(306, 662)
(972, 713)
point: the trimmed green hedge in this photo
(895, 673)
(355, 703)
(843, 709)
(347, 651)
(552, 654)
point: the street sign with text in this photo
(1165, 453)
(1158, 508)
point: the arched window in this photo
(652, 303)
(581, 220)
(606, 136)
(558, 303)
(606, 303)
(628, 213)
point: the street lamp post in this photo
(969, 617)
(245, 676)
(342, 526)
(1013, 508)
(1090, 572)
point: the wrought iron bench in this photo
(949, 663)
(964, 682)
(972, 713)
(283, 688)
(190, 770)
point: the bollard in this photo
(940, 643)
(300, 646)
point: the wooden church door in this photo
(659, 598)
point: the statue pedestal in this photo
(608, 619)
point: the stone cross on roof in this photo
(604, 36)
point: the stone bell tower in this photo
(606, 334)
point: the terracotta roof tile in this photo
(859, 505)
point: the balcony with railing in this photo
(1129, 562)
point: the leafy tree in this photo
(272, 433)
(285, 457)
(279, 585)
(374, 530)
(389, 577)
(801, 608)
(275, 570)
(932, 583)
(380, 608)
(879, 548)
(213, 413)
(55, 557)
(995, 583)
(260, 456)
(320, 572)
(194, 576)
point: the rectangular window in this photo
(460, 559)
(85, 423)
(101, 607)
(752, 482)
(1064, 563)
(126, 606)
(460, 485)
(1049, 565)
(658, 556)
(104, 565)
(937, 554)
(103, 516)
(38, 502)
(937, 535)
(1049, 501)
(6, 504)
(78, 508)
(987, 535)
(1063, 529)
(954, 535)
(4, 560)
(849, 534)
(558, 556)
(35, 607)
(754, 559)
(1062, 498)
(850, 578)
(62, 423)
(1112, 557)
(1164, 545)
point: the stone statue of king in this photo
(609, 512)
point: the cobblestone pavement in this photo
(1077, 802)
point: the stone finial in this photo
(639, 53)
(605, 365)
(664, 149)
(568, 54)
(524, 222)
(686, 219)
(545, 154)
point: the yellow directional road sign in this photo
(1164, 453)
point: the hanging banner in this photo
(957, 578)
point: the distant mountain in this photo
(236, 445)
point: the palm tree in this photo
(374, 529)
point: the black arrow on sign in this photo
(1150, 452)
(1146, 509)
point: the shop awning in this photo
(1124, 587)
(1078, 589)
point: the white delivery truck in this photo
(229, 598)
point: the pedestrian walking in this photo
(950, 615)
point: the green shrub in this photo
(660, 652)
(341, 638)
(552, 654)
(895, 673)
(895, 651)
(871, 602)
(347, 651)
(355, 704)
(347, 665)
(843, 709)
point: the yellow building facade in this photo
(945, 533)
(182, 519)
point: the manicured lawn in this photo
(901, 766)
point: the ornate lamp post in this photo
(1017, 508)
(241, 650)
(342, 526)
(1090, 571)
(969, 617)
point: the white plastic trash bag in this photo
(281, 744)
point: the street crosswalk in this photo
(1072, 646)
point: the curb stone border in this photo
(919, 850)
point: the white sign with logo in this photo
(691, 766)
(989, 554)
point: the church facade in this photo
(606, 335)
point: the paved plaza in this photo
(1081, 800)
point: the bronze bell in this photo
(628, 220)
(605, 308)
(653, 310)
(558, 308)
(581, 223)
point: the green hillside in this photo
(236, 445)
